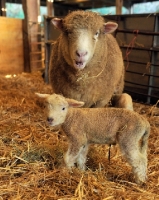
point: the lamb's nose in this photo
(80, 53)
(50, 119)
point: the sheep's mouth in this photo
(79, 64)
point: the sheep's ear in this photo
(74, 103)
(58, 23)
(42, 95)
(110, 27)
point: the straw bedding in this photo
(31, 153)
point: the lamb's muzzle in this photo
(50, 120)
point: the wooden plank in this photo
(11, 46)
(3, 8)
(27, 65)
(119, 4)
(32, 40)
(50, 8)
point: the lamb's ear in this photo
(110, 27)
(74, 103)
(42, 95)
(58, 23)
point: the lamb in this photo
(84, 126)
(122, 101)
(86, 63)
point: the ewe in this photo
(86, 62)
(84, 126)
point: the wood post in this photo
(3, 8)
(27, 67)
(31, 29)
(50, 8)
(119, 4)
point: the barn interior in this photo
(31, 152)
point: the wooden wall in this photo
(11, 46)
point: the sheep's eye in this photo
(68, 32)
(96, 35)
(63, 108)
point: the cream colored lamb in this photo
(84, 126)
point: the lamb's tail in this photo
(144, 139)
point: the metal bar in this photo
(141, 84)
(47, 57)
(153, 58)
(142, 74)
(141, 63)
(137, 32)
(127, 90)
(142, 48)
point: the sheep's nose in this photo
(81, 53)
(50, 119)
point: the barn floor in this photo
(31, 164)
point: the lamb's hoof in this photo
(140, 182)
(81, 167)
(70, 169)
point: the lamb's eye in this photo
(63, 108)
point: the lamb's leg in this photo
(122, 101)
(71, 155)
(137, 161)
(139, 167)
(81, 159)
(144, 141)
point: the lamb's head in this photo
(81, 31)
(57, 107)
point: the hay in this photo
(31, 153)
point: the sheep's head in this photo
(57, 107)
(81, 31)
